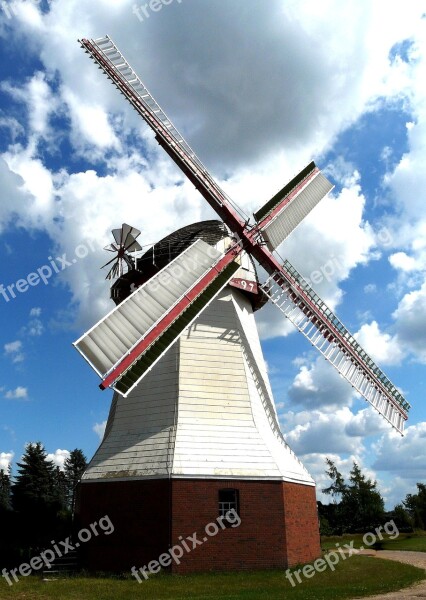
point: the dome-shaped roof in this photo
(164, 251)
(174, 244)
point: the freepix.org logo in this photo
(144, 11)
(45, 272)
(11, 8)
(46, 558)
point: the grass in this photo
(358, 576)
(415, 542)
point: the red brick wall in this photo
(279, 525)
(140, 513)
(301, 523)
(259, 542)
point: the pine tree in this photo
(60, 488)
(337, 487)
(74, 467)
(34, 498)
(362, 504)
(332, 513)
(5, 490)
(34, 486)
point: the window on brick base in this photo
(229, 500)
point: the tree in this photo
(7, 519)
(416, 506)
(357, 506)
(5, 497)
(402, 518)
(331, 514)
(60, 488)
(34, 486)
(74, 467)
(35, 499)
(337, 487)
(362, 504)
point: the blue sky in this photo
(258, 89)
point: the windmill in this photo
(192, 429)
(124, 242)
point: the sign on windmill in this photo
(193, 415)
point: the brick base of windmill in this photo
(278, 528)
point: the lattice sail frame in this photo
(285, 287)
(124, 345)
(372, 384)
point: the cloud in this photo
(403, 455)
(269, 126)
(337, 432)
(382, 347)
(14, 198)
(14, 127)
(5, 459)
(38, 99)
(58, 457)
(400, 260)
(13, 347)
(370, 288)
(318, 386)
(14, 351)
(35, 312)
(254, 121)
(35, 327)
(410, 322)
(19, 393)
(99, 429)
(90, 124)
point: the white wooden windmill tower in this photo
(192, 429)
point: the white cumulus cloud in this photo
(58, 457)
(99, 429)
(19, 393)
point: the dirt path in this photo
(417, 559)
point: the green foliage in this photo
(34, 487)
(361, 506)
(74, 467)
(5, 490)
(38, 499)
(337, 487)
(36, 507)
(402, 518)
(415, 504)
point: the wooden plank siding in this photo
(205, 410)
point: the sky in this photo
(259, 89)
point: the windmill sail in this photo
(274, 223)
(126, 343)
(304, 308)
(109, 58)
(283, 213)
